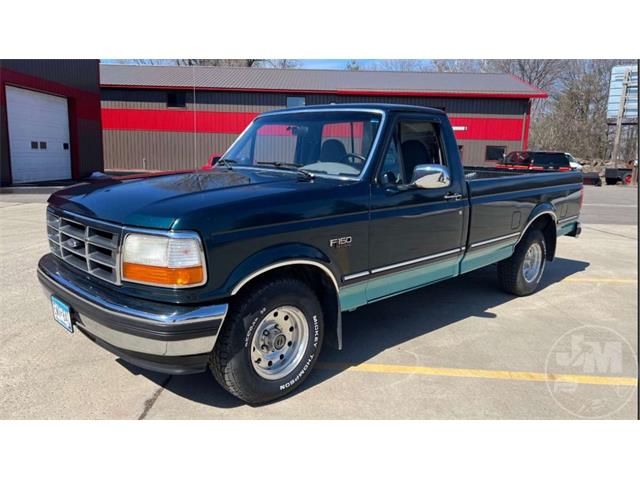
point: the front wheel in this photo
(269, 341)
(520, 274)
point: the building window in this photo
(34, 145)
(176, 99)
(495, 153)
(43, 145)
(295, 102)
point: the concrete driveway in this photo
(458, 349)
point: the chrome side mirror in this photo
(430, 176)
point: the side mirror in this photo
(430, 176)
(213, 159)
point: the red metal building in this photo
(169, 117)
(50, 126)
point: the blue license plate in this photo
(62, 313)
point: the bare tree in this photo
(443, 65)
(233, 62)
(401, 65)
(280, 63)
(353, 65)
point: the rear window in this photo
(518, 158)
(550, 160)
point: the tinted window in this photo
(550, 160)
(495, 153)
(518, 158)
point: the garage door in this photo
(38, 136)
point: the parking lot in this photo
(458, 349)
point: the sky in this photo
(322, 64)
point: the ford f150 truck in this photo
(244, 269)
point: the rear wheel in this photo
(269, 341)
(520, 274)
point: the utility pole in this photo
(623, 98)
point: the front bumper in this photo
(167, 338)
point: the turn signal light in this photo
(163, 275)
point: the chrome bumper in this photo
(132, 325)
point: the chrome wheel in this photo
(279, 342)
(532, 263)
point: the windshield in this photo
(332, 143)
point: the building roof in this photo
(343, 82)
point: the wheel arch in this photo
(311, 268)
(543, 218)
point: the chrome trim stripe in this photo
(415, 260)
(248, 278)
(568, 219)
(198, 314)
(355, 275)
(493, 240)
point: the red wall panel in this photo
(473, 128)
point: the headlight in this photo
(169, 261)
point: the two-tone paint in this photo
(257, 220)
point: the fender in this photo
(288, 255)
(538, 212)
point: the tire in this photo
(258, 368)
(611, 181)
(517, 277)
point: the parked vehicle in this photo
(573, 163)
(536, 161)
(614, 175)
(591, 178)
(245, 268)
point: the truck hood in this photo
(158, 200)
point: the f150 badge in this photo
(340, 242)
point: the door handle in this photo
(452, 196)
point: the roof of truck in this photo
(385, 107)
(298, 80)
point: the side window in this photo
(391, 171)
(417, 143)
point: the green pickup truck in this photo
(245, 268)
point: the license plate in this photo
(62, 313)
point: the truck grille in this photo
(89, 248)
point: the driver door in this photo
(416, 235)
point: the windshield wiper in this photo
(294, 167)
(227, 162)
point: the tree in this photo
(280, 63)
(354, 66)
(401, 65)
(233, 62)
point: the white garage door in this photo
(38, 136)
